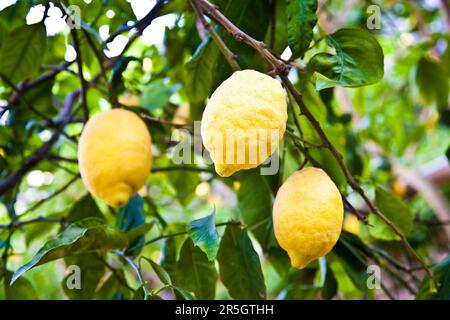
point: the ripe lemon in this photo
(244, 121)
(114, 155)
(307, 216)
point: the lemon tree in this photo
(224, 149)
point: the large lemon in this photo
(244, 121)
(114, 155)
(307, 216)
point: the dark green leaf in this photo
(156, 95)
(130, 217)
(395, 210)
(301, 21)
(239, 265)
(281, 30)
(160, 272)
(330, 286)
(22, 289)
(358, 60)
(238, 11)
(117, 72)
(22, 52)
(84, 236)
(353, 262)
(169, 255)
(255, 204)
(92, 270)
(204, 235)
(432, 80)
(84, 208)
(194, 272)
(199, 72)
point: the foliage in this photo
(380, 97)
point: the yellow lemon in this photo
(244, 121)
(307, 216)
(114, 155)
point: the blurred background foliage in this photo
(394, 136)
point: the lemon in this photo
(114, 155)
(244, 121)
(307, 216)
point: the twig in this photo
(54, 194)
(239, 35)
(79, 59)
(100, 58)
(141, 24)
(136, 270)
(162, 121)
(182, 168)
(18, 224)
(60, 158)
(229, 56)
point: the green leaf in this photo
(134, 234)
(301, 21)
(442, 275)
(395, 210)
(169, 255)
(156, 95)
(87, 235)
(358, 60)
(22, 289)
(92, 270)
(199, 72)
(22, 52)
(255, 205)
(184, 184)
(353, 262)
(194, 272)
(330, 287)
(432, 80)
(130, 217)
(204, 235)
(120, 66)
(239, 265)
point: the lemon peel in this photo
(114, 155)
(244, 121)
(307, 216)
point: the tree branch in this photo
(229, 56)
(41, 152)
(281, 68)
(239, 35)
(79, 59)
(141, 24)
